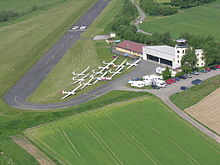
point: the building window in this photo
(178, 61)
(177, 56)
(178, 51)
(197, 64)
(202, 64)
(197, 54)
(202, 58)
(183, 51)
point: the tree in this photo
(166, 74)
(189, 61)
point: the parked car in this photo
(172, 79)
(184, 88)
(177, 79)
(213, 68)
(208, 69)
(188, 76)
(169, 81)
(155, 86)
(197, 82)
(217, 66)
(203, 71)
(195, 73)
(136, 79)
(183, 77)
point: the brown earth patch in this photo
(23, 142)
(207, 111)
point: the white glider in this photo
(80, 79)
(73, 92)
(80, 74)
(88, 82)
(122, 64)
(108, 64)
(133, 64)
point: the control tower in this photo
(180, 51)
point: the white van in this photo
(139, 84)
(160, 83)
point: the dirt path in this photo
(207, 111)
(23, 142)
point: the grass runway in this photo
(140, 131)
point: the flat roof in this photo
(161, 51)
(130, 45)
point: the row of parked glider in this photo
(101, 75)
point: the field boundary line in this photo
(110, 153)
(33, 150)
(105, 143)
(71, 143)
(54, 153)
(133, 139)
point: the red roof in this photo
(133, 46)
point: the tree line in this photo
(210, 47)
(153, 8)
(189, 3)
(122, 25)
(9, 14)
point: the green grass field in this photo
(203, 20)
(17, 123)
(22, 42)
(84, 53)
(22, 5)
(141, 131)
(192, 96)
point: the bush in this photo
(153, 8)
(33, 8)
(189, 3)
(5, 15)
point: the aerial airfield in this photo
(90, 85)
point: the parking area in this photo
(175, 87)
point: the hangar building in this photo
(171, 56)
(163, 54)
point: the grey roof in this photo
(161, 51)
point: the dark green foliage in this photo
(153, 8)
(189, 3)
(188, 61)
(6, 15)
(33, 8)
(125, 30)
(166, 74)
(208, 44)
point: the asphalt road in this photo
(31, 79)
(143, 68)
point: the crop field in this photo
(84, 53)
(138, 131)
(203, 20)
(207, 111)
